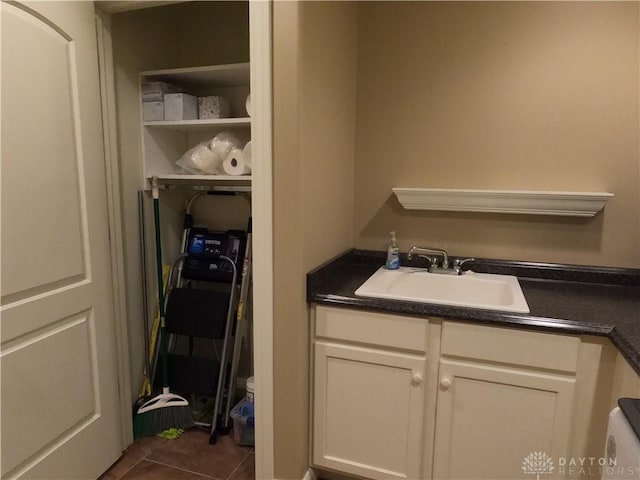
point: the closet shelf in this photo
(219, 75)
(197, 125)
(570, 204)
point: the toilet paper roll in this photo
(247, 104)
(223, 143)
(234, 163)
(246, 151)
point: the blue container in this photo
(243, 423)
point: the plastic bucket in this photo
(250, 389)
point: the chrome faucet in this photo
(425, 251)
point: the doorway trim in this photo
(260, 55)
(116, 244)
(260, 48)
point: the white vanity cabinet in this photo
(405, 397)
(504, 395)
(369, 378)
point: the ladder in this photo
(206, 298)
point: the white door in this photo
(60, 414)
(368, 411)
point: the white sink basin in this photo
(474, 290)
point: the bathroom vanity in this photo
(415, 390)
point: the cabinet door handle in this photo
(416, 379)
(445, 383)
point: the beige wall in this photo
(626, 382)
(500, 95)
(132, 53)
(328, 109)
(314, 118)
(504, 95)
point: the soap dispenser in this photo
(393, 253)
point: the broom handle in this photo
(163, 336)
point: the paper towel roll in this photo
(247, 104)
(234, 164)
(247, 154)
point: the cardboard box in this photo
(180, 106)
(152, 111)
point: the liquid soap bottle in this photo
(393, 253)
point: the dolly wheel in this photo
(213, 438)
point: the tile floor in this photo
(189, 457)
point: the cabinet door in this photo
(491, 419)
(368, 411)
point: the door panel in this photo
(40, 126)
(60, 411)
(56, 371)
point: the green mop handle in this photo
(164, 343)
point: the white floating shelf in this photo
(570, 204)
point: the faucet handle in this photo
(457, 264)
(433, 261)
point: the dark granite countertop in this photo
(562, 298)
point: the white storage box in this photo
(154, 91)
(152, 111)
(213, 107)
(180, 106)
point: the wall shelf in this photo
(570, 204)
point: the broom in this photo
(151, 351)
(166, 410)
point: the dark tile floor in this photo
(189, 457)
